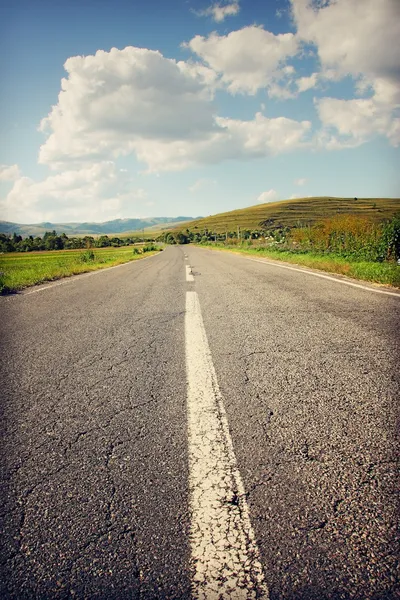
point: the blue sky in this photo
(129, 109)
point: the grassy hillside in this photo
(298, 212)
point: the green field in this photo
(19, 270)
(294, 213)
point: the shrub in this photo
(350, 236)
(3, 287)
(150, 248)
(87, 256)
(136, 251)
(391, 238)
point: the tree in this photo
(103, 241)
(88, 241)
(50, 234)
(170, 239)
(6, 244)
(181, 238)
(16, 239)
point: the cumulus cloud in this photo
(219, 11)
(248, 59)
(136, 101)
(306, 83)
(234, 139)
(96, 192)
(9, 172)
(356, 121)
(269, 196)
(112, 100)
(357, 38)
(263, 136)
(301, 181)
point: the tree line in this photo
(52, 241)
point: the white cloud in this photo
(113, 100)
(220, 11)
(96, 192)
(357, 38)
(136, 101)
(356, 121)
(263, 136)
(9, 172)
(270, 196)
(301, 181)
(248, 59)
(233, 139)
(306, 83)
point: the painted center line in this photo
(225, 557)
(189, 274)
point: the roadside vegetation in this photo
(351, 245)
(22, 269)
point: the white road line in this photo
(189, 274)
(336, 280)
(225, 557)
(357, 285)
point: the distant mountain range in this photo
(108, 227)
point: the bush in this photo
(150, 248)
(87, 256)
(391, 238)
(3, 287)
(136, 251)
(350, 236)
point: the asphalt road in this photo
(96, 492)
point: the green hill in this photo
(298, 212)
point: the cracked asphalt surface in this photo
(94, 435)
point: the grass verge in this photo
(383, 273)
(20, 270)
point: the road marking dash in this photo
(189, 274)
(225, 556)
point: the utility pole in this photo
(143, 234)
(238, 232)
